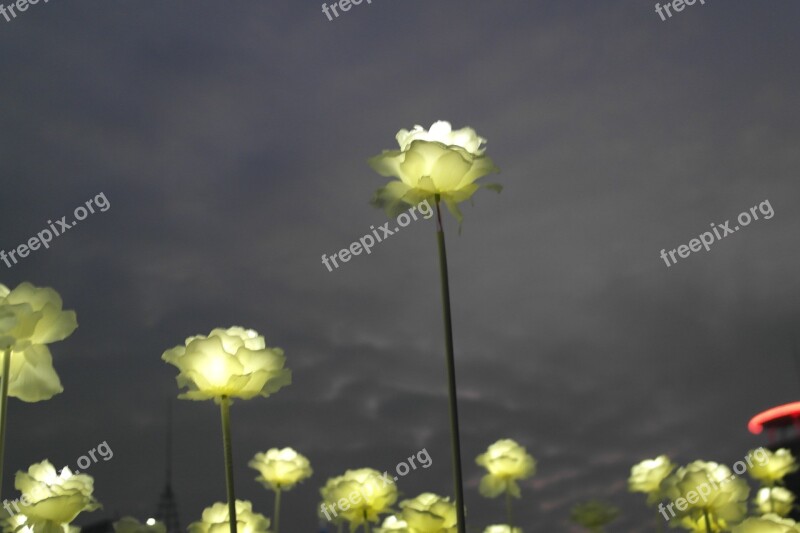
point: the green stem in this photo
(771, 501)
(508, 513)
(659, 522)
(708, 521)
(4, 409)
(339, 528)
(276, 516)
(366, 522)
(455, 442)
(225, 408)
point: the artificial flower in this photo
(231, 363)
(359, 496)
(775, 466)
(593, 515)
(281, 469)
(216, 519)
(429, 513)
(30, 319)
(393, 524)
(507, 463)
(439, 163)
(767, 524)
(774, 500)
(725, 498)
(49, 499)
(646, 477)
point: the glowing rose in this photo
(501, 529)
(507, 462)
(30, 319)
(233, 363)
(429, 513)
(647, 476)
(217, 520)
(725, 498)
(767, 524)
(774, 467)
(442, 132)
(393, 524)
(358, 496)
(281, 469)
(774, 500)
(593, 515)
(128, 524)
(50, 499)
(429, 163)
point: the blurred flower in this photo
(128, 524)
(725, 494)
(217, 520)
(393, 524)
(767, 524)
(30, 319)
(281, 469)
(439, 161)
(233, 362)
(507, 462)
(774, 467)
(51, 500)
(429, 513)
(593, 515)
(774, 500)
(647, 476)
(501, 529)
(358, 496)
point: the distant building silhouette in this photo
(167, 510)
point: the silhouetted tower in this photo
(167, 507)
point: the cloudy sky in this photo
(231, 141)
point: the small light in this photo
(151, 521)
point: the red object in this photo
(781, 416)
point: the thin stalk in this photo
(339, 528)
(508, 513)
(366, 522)
(771, 501)
(4, 409)
(225, 409)
(455, 441)
(276, 516)
(708, 521)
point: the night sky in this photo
(231, 140)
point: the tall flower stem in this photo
(4, 409)
(225, 409)
(276, 516)
(708, 521)
(508, 512)
(366, 523)
(455, 441)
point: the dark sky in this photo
(231, 140)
